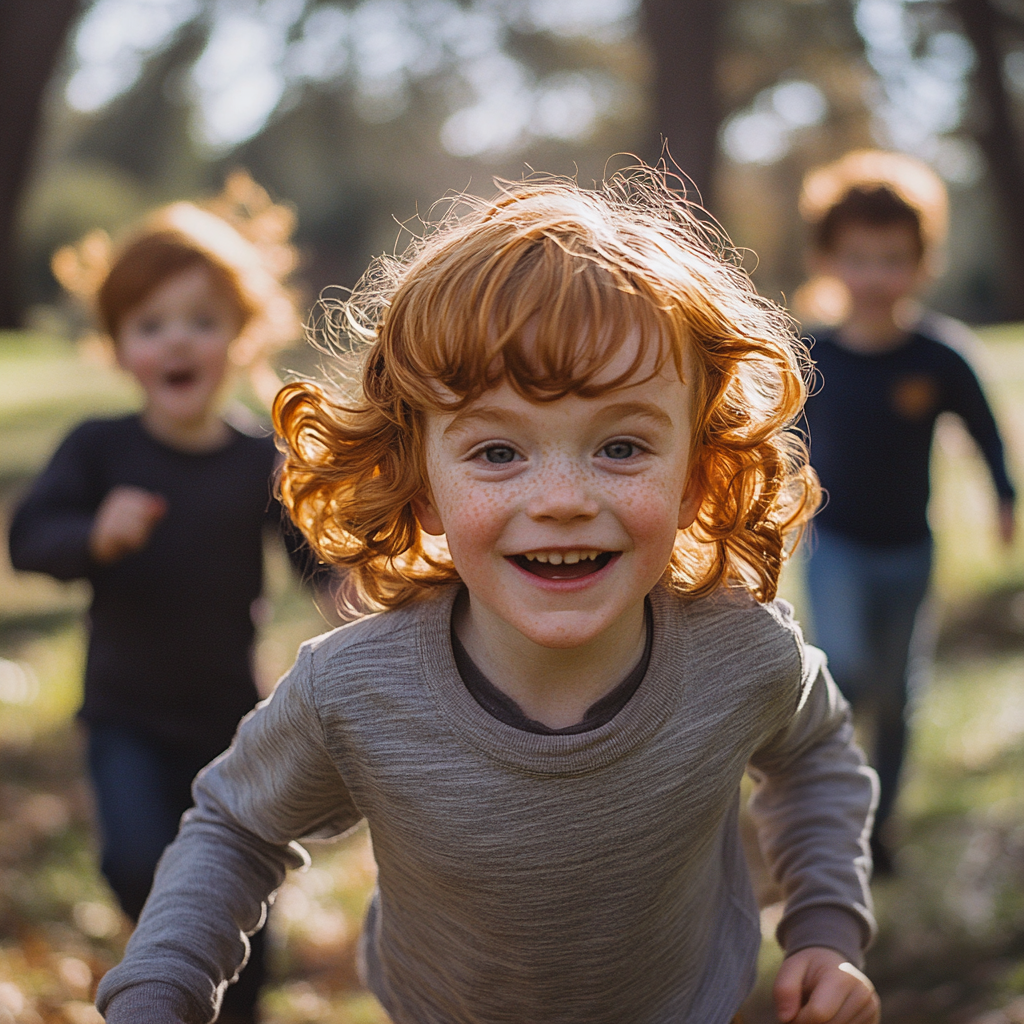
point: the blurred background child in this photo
(887, 369)
(164, 512)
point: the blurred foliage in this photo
(409, 99)
(365, 112)
(354, 150)
(368, 111)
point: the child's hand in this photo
(124, 522)
(816, 985)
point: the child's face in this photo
(175, 343)
(879, 265)
(561, 516)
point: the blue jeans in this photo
(865, 605)
(143, 787)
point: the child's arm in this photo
(275, 784)
(813, 808)
(51, 527)
(967, 399)
(68, 523)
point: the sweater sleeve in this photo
(275, 785)
(967, 399)
(51, 527)
(813, 807)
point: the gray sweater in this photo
(590, 878)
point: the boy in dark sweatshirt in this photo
(887, 372)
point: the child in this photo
(547, 724)
(164, 513)
(887, 373)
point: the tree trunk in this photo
(997, 136)
(684, 36)
(32, 34)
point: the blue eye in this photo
(499, 455)
(619, 450)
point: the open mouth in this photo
(180, 378)
(564, 565)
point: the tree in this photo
(32, 34)
(996, 133)
(684, 38)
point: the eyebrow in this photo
(618, 410)
(643, 410)
(490, 413)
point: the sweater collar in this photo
(561, 754)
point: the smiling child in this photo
(164, 512)
(567, 482)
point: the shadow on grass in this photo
(988, 625)
(14, 628)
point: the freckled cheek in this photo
(473, 518)
(650, 513)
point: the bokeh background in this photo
(361, 115)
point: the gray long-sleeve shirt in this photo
(595, 877)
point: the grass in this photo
(951, 944)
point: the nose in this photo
(179, 334)
(562, 493)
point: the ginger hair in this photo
(539, 287)
(241, 237)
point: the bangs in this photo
(150, 261)
(556, 290)
(543, 312)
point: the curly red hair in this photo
(539, 287)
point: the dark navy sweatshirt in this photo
(170, 626)
(871, 420)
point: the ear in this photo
(426, 514)
(690, 504)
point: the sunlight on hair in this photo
(241, 234)
(911, 179)
(539, 287)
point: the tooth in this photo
(530, 558)
(590, 555)
(571, 557)
(555, 558)
(541, 557)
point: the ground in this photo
(951, 942)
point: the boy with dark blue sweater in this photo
(887, 372)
